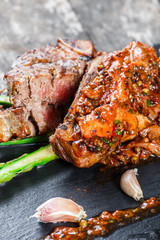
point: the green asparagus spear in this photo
(26, 162)
(37, 139)
(4, 101)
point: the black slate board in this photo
(20, 197)
(110, 25)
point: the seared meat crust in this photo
(45, 79)
(117, 98)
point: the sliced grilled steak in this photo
(117, 98)
(44, 79)
(51, 74)
(14, 122)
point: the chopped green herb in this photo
(117, 121)
(146, 91)
(99, 149)
(121, 214)
(111, 220)
(110, 144)
(130, 110)
(115, 139)
(149, 104)
(154, 63)
(105, 140)
(118, 132)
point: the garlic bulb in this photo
(130, 185)
(59, 210)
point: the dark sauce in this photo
(107, 222)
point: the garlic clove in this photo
(59, 210)
(130, 185)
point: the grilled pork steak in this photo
(41, 82)
(117, 98)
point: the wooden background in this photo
(110, 24)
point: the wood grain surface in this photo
(111, 25)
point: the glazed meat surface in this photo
(41, 83)
(117, 99)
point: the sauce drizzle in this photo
(107, 222)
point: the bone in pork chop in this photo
(41, 83)
(117, 98)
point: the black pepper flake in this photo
(71, 142)
(140, 109)
(64, 127)
(91, 149)
(85, 58)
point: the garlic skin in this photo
(130, 185)
(59, 210)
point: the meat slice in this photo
(44, 80)
(14, 122)
(117, 98)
